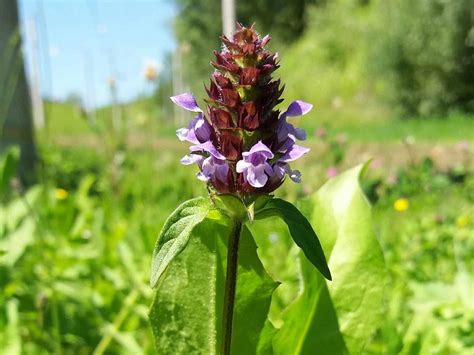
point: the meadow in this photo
(76, 247)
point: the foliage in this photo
(80, 278)
(426, 52)
(324, 316)
(312, 321)
(187, 310)
(300, 230)
(360, 55)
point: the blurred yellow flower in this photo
(401, 204)
(150, 74)
(462, 221)
(60, 194)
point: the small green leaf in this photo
(300, 230)
(338, 317)
(16, 242)
(174, 235)
(231, 205)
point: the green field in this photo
(93, 218)
(392, 88)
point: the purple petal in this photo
(259, 148)
(268, 169)
(207, 147)
(212, 169)
(207, 168)
(299, 133)
(279, 170)
(288, 143)
(256, 176)
(242, 166)
(191, 159)
(186, 101)
(283, 129)
(294, 153)
(202, 177)
(298, 108)
(186, 134)
(295, 175)
(202, 128)
(221, 171)
(198, 131)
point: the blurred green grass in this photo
(66, 120)
(86, 264)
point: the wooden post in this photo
(16, 123)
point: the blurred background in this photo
(89, 166)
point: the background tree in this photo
(198, 27)
(425, 53)
(16, 124)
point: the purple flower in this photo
(236, 120)
(207, 147)
(254, 165)
(298, 108)
(213, 169)
(186, 101)
(293, 153)
(287, 133)
(281, 167)
(198, 131)
(191, 159)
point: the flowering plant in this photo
(213, 294)
(244, 145)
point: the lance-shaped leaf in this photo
(340, 316)
(174, 235)
(300, 230)
(186, 314)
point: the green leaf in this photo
(300, 230)
(310, 323)
(231, 205)
(253, 298)
(174, 235)
(8, 167)
(186, 314)
(340, 316)
(15, 243)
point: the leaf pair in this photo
(177, 230)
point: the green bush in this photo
(425, 54)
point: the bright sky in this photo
(82, 43)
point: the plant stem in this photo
(230, 286)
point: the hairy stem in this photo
(230, 285)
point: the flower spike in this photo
(240, 142)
